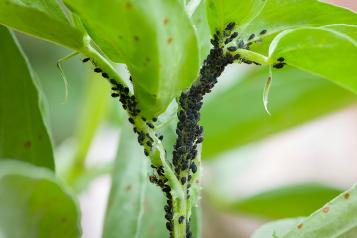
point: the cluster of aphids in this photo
(241, 44)
(189, 132)
(280, 64)
(129, 104)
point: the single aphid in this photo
(85, 60)
(183, 180)
(146, 152)
(263, 32)
(232, 48)
(181, 219)
(98, 70)
(154, 119)
(143, 118)
(131, 120)
(251, 37)
(161, 137)
(105, 75)
(230, 26)
(115, 95)
(281, 59)
(193, 168)
(149, 124)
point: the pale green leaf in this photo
(136, 207)
(154, 38)
(221, 13)
(236, 116)
(336, 219)
(288, 201)
(279, 15)
(40, 18)
(321, 51)
(34, 204)
(23, 134)
(275, 229)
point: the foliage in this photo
(163, 44)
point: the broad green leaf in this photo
(324, 52)
(279, 15)
(349, 30)
(135, 207)
(221, 13)
(154, 38)
(199, 19)
(236, 116)
(40, 18)
(34, 204)
(23, 134)
(289, 201)
(275, 229)
(336, 219)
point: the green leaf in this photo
(336, 219)
(23, 134)
(279, 15)
(221, 13)
(324, 52)
(236, 116)
(289, 201)
(199, 19)
(135, 207)
(34, 204)
(40, 18)
(154, 38)
(275, 229)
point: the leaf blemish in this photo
(136, 38)
(169, 40)
(128, 5)
(28, 144)
(128, 188)
(166, 21)
(299, 226)
(346, 196)
(325, 209)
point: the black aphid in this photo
(149, 124)
(115, 95)
(143, 118)
(146, 152)
(263, 32)
(98, 70)
(183, 180)
(230, 26)
(251, 37)
(281, 59)
(279, 65)
(181, 219)
(131, 120)
(85, 60)
(193, 168)
(105, 75)
(232, 48)
(169, 226)
(161, 137)
(154, 119)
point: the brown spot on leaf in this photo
(147, 59)
(346, 196)
(325, 209)
(128, 188)
(28, 145)
(166, 21)
(169, 40)
(128, 5)
(63, 220)
(136, 38)
(299, 226)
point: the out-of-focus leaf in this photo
(324, 52)
(40, 18)
(279, 15)
(236, 116)
(23, 134)
(275, 229)
(135, 207)
(154, 38)
(34, 204)
(336, 219)
(221, 13)
(290, 201)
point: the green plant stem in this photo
(253, 56)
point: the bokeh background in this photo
(323, 150)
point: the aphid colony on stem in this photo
(189, 132)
